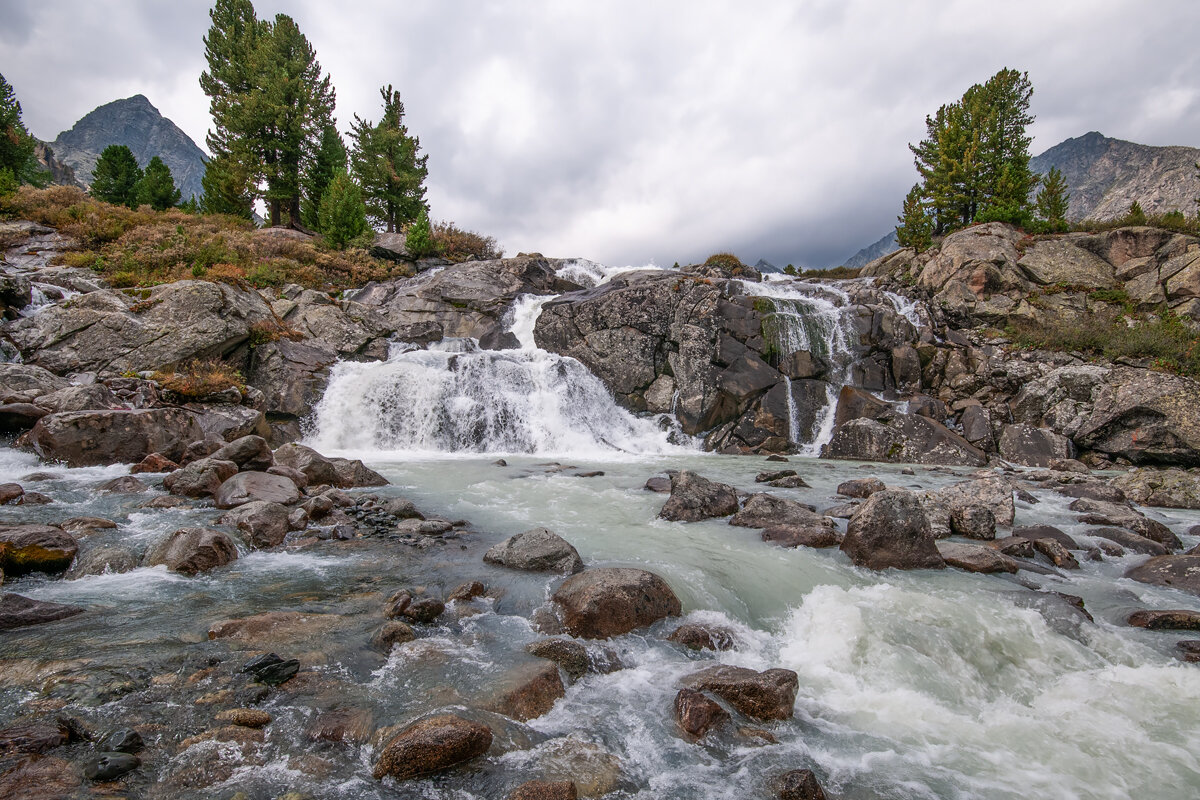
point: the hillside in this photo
(136, 123)
(1106, 175)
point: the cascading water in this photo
(589, 273)
(456, 397)
(819, 319)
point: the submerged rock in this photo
(537, 550)
(762, 695)
(890, 530)
(110, 766)
(698, 714)
(800, 784)
(545, 790)
(193, 550)
(571, 656)
(432, 745)
(702, 637)
(694, 498)
(19, 612)
(1177, 571)
(527, 691)
(602, 602)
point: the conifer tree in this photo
(16, 145)
(1053, 199)
(916, 227)
(157, 188)
(1136, 215)
(229, 82)
(342, 215)
(330, 159)
(116, 177)
(226, 187)
(418, 238)
(387, 163)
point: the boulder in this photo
(431, 746)
(22, 383)
(996, 494)
(90, 438)
(39, 778)
(1177, 571)
(1120, 515)
(16, 417)
(91, 397)
(1035, 532)
(860, 487)
(155, 462)
(768, 511)
(246, 487)
(1033, 447)
(1172, 620)
(545, 790)
(819, 535)
(697, 714)
(390, 634)
(10, 493)
(201, 478)
(35, 548)
(317, 468)
(1054, 551)
(762, 695)
(291, 375)
(355, 474)
(1167, 488)
(891, 530)
(1130, 541)
(702, 637)
(19, 612)
(111, 560)
(192, 550)
(694, 498)
(264, 523)
(975, 557)
(602, 602)
(38, 736)
(905, 438)
(527, 691)
(248, 452)
(537, 550)
(800, 784)
(571, 656)
(973, 522)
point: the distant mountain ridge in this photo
(138, 125)
(1106, 176)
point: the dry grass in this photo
(199, 379)
(144, 247)
(455, 244)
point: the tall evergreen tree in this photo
(1053, 199)
(387, 163)
(974, 161)
(229, 81)
(329, 160)
(116, 177)
(16, 145)
(157, 188)
(226, 187)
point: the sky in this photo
(652, 131)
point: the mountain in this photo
(766, 266)
(136, 123)
(886, 244)
(1106, 175)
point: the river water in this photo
(914, 685)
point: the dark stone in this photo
(18, 612)
(39, 736)
(390, 634)
(110, 766)
(694, 498)
(702, 637)
(861, 487)
(193, 550)
(122, 740)
(1189, 650)
(278, 673)
(973, 522)
(609, 601)
(769, 510)
(761, 695)
(545, 790)
(975, 557)
(1035, 532)
(890, 530)
(35, 548)
(774, 475)
(661, 485)
(527, 691)
(1130, 540)
(1053, 550)
(425, 610)
(697, 714)
(800, 784)
(803, 536)
(261, 662)
(1173, 620)
(467, 592)
(10, 492)
(571, 656)
(90, 438)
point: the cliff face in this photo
(1106, 176)
(136, 123)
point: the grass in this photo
(143, 247)
(199, 379)
(1163, 337)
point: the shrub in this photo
(455, 244)
(727, 261)
(264, 332)
(197, 379)
(418, 239)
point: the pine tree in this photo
(328, 161)
(16, 145)
(386, 162)
(157, 188)
(115, 179)
(342, 215)
(226, 187)
(418, 239)
(1135, 216)
(229, 82)
(916, 227)
(1053, 198)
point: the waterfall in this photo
(819, 319)
(457, 398)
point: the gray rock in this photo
(1176, 571)
(1169, 488)
(201, 478)
(112, 559)
(79, 398)
(248, 452)
(891, 531)
(317, 468)
(767, 695)
(1033, 447)
(90, 438)
(602, 602)
(192, 550)
(769, 511)
(973, 522)
(694, 498)
(906, 438)
(860, 487)
(246, 487)
(536, 550)
(264, 523)
(975, 557)
(1130, 541)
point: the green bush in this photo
(419, 237)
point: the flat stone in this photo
(19, 612)
(1172, 620)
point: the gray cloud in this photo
(629, 132)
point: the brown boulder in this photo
(39, 778)
(702, 637)
(975, 557)
(155, 462)
(319, 469)
(1178, 572)
(527, 691)
(762, 695)
(200, 478)
(890, 530)
(861, 487)
(610, 601)
(697, 714)
(571, 656)
(38, 736)
(19, 612)
(10, 492)
(800, 784)
(545, 790)
(1053, 550)
(35, 548)
(694, 498)
(248, 452)
(432, 745)
(1172, 620)
(90, 438)
(193, 550)
(264, 523)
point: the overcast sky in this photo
(630, 132)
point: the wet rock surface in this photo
(763, 695)
(537, 550)
(608, 601)
(432, 745)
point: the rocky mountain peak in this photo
(137, 124)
